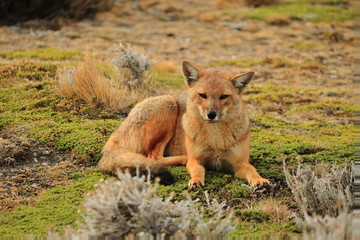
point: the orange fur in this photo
(206, 128)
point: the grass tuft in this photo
(102, 89)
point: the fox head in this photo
(214, 94)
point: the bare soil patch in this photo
(28, 167)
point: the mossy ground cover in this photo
(55, 209)
(38, 108)
(277, 135)
(316, 11)
(43, 54)
(22, 72)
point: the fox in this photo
(207, 127)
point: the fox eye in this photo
(223, 97)
(202, 95)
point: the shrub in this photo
(322, 191)
(324, 197)
(134, 67)
(131, 206)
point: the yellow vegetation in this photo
(88, 83)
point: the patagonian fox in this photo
(207, 127)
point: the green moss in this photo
(266, 229)
(55, 208)
(303, 46)
(11, 75)
(263, 95)
(168, 79)
(267, 121)
(239, 62)
(38, 108)
(252, 215)
(235, 189)
(82, 137)
(328, 107)
(177, 189)
(43, 54)
(303, 10)
(69, 125)
(273, 141)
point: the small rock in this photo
(45, 164)
(238, 28)
(43, 158)
(309, 16)
(34, 154)
(46, 153)
(332, 94)
(35, 160)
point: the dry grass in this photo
(208, 17)
(89, 84)
(278, 20)
(222, 4)
(275, 209)
(166, 66)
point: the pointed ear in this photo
(190, 72)
(242, 80)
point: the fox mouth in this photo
(211, 121)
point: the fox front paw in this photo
(258, 181)
(196, 183)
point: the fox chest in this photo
(215, 159)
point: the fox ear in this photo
(242, 80)
(190, 72)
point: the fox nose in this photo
(211, 115)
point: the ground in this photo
(300, 101)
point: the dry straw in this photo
(123, 83)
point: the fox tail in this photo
(121, 160)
